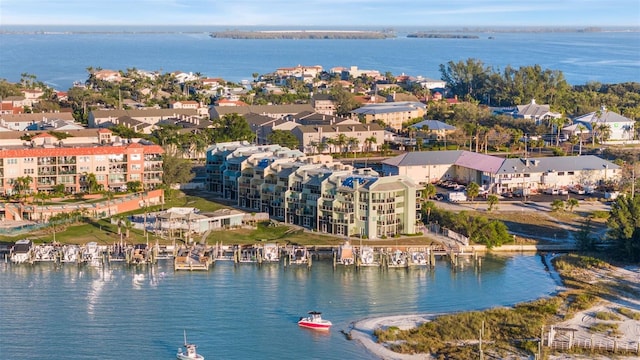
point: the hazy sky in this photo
(322, 12)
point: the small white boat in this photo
(367, 256)
(22, 251)
(189, 352)
(314, 321)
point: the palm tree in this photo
(370, 141)
(604, 132)
(580, 128)
(341, 141)
(92, 183)
(353, 143)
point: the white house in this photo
(620, 128)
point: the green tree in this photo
(557, 205)
(134, 186)
(473, 190)
(344, 100)
(92, 183)
(232, 127)
(584, 236)
(466, 78)
(176, 170)
(492, 200)
(572, 203)
(283, 138)
(624, 227)
(428, 192)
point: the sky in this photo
(345, 13)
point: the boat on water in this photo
(367, 256)
(22, 252)
(346, 255)
(270, 253)
(189, 352)
(315, 321)
(397, 259)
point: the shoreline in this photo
(362, 330)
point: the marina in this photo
(202, 257)
(118, 309)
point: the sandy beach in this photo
(362, 331)
(628, 329)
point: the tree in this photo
(557, 205)
(283, 138)
(466, 78)
(473, 190)
(583, 236)
(92, 183)
(428, 192)
(369, 142)
(492, 200)
(134, 186)
(572, 203)
(344, 100)
(232, 127)
(176, 170)
(624, 227)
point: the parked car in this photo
(563, 192)
(551, 191)
(457, 196)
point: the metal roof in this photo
(419, 158)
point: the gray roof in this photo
(137, 113)
(260, 109)
(433, 125)
(606, 116)
(386, 108)
(419, 158)
(557, 163)
(339, 128)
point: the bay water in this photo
(59, 57)
(242, 311)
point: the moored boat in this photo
(189, 352)
(315, 321)
(22, 252)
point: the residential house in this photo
(537, 112)
(620, 128)
(323, 104)
(434, 129)
(325, 138)
(22, 122)
(107, 118)
(272, 111)
(392, 114)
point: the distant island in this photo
(422, 35)
(303, 34)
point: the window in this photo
(84, 158)
(84, 168)
(100, 158)
(135, 156)
(560, 173)
(101, 168)
(12, 161)
(570, 173)
(135, 166)
(100, 177)
(28, 160)
(28, 171)
(134, 177)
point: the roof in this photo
(434, 125)
(480, 162)
(134, 113)
(419, 158)
(339, 128)
(262, 109)
(386, 108)
(29, 117)
(604, 116)
(75, 151)
(553, 164)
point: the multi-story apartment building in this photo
(392, 114)
(313, 191)
(49, 162)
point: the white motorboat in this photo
(189, 352)
(367, 256)
(22, 251)
(314, 321)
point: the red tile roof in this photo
(76, 151)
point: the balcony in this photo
(66, 160)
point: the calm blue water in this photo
(60, 59)
(243, 312)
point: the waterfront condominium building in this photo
(49, 162)
(313, 191)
